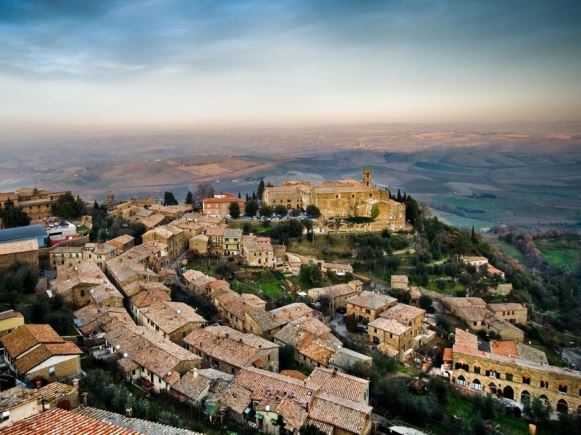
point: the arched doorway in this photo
(492, 388)
(563, 406)
(525, 397)
(508, 393)
(461, 380)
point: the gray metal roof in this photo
(22, 233)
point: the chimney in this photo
(129, 412)
(84, 398)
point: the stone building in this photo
(36, 203)
(366, 306)
(344, 198)
(10, 320)
(228, 350)
(337, 294)
(219, 205)
(257, 251)
(510, 312)
(172, 320)
(513, 371)
(25, 251)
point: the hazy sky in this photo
(81, 63)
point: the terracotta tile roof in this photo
(390, 325)
(371, 300)
(333, 291)
(448, 354)
(215, 231)
(25, 337)
(231, 302)
(346, 358)
(193, 383)
(226, 344)
(338, 384)
(171, 316)
(150, 295)
(93, 318)
(253, 301)
(43, 352)
(18, 247)
(294, 374)
(137, 287)
(342, 413)
(506, 348)
(149, 350)
(327, 429)
(60, 422)
(143, 427)
(269, 320)
(403, 313)
(152, 220)
(191, 275)
(507, 306)
(121, 240)
(236, 398)
(293, 414)
(52, 391)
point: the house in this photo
(10, 320)
(57, 394)
(228, 350)
(513, 371)
(399, 282)
(172, 320)
(173, 237)
(232, 306)
(216, 239)
(406, 315)
(257, 251)
(199, 244)
(510, 311)
(494, 271)
(219, 205)
(339, 269)
(196, 281)
(313, 342)
(268, 323)
(345, 359)
(390, 336)
(36, 203)
(337, 294)
(231, 241)
(99, 253)
(366, 306)
(152, 220)
(16, 404)
(497, 319)
(85, 283)
(25, 252)
(198, 386)
(93, 319)
(171, 212)
(274, 403)
(38, 352)
(123, 243)
(139, 263)
(148, 358)
(474, 260)
(144, 294)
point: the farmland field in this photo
(563, 252)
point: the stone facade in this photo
(23, 252)
(340, 199)
(513, 371)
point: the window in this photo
(544, 384)
(526, 380)
(562, 388)
(476, 369)
(509, 377)
(51, 370)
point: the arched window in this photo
(492, 388)
(476, 385)
(508, 393)
(525, 397)
(563, 406)
(461, 380)
(544, 399)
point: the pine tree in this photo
(254, 196)
(473, 236)
(189, 198)
(398, 198)
(260, 191)
(239, 195)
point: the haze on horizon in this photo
(75, 65)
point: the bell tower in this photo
(367, 176)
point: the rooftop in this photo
(339, 384)
(269, 320)
(7, 248)
(171, 316)
(403, 313)
(16, 396)
(19, 233)
(371, 300)
(389, 325)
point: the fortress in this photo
(342, 199)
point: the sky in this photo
(142, 64)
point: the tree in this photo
(425, 302)
(12, 216)
(265, 210)
(68, 207)
(169, 199)
(280, 210)
(310, 429)
(375, 212)
(251, 208)
(204, 190)
(137, 229)
(234, 210)
(313, 211)
(190, 198)
(260, 190)
(351, 323)
(311, 275)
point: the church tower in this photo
(367, 176)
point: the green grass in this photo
(451, 286)
(563, 252)
(507, 250)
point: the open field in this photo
(563, 252)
